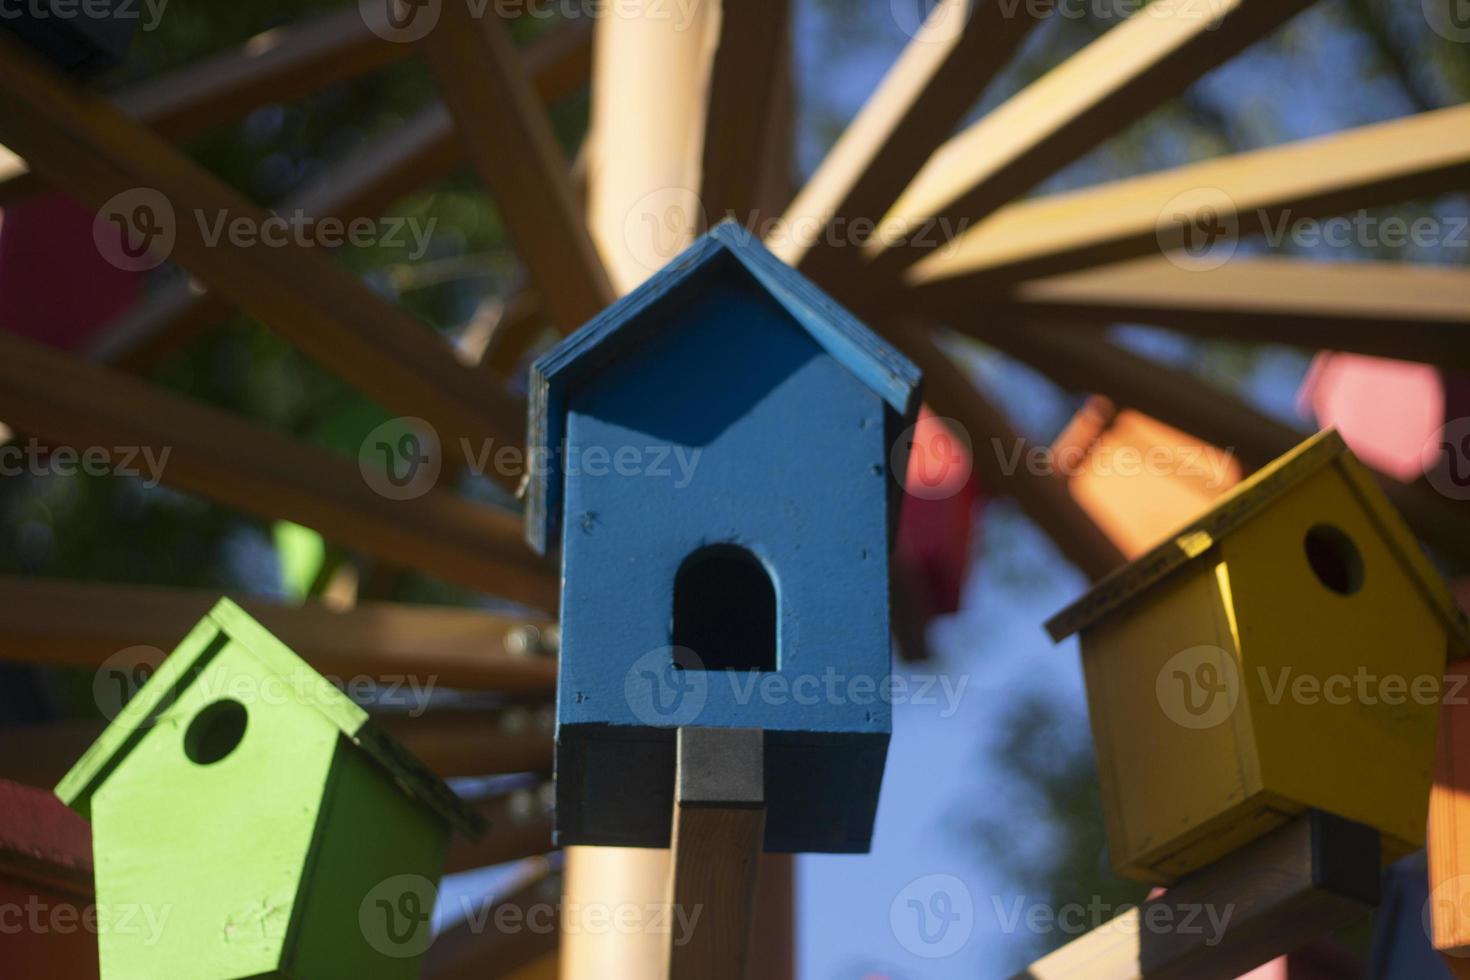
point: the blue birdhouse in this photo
(716, 451)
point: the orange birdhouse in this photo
(1283, 652)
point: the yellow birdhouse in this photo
(1283, 652)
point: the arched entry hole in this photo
(725, 610)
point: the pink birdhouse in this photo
(56, 287)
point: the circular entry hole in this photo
(215, 731)
(1335, 560)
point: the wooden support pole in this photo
(1132, 69)
(511, 143)
(1310, 876)
(82, 624)
(1207, 205)
(204, 450)
(1388, 309)
(719, 830)
(99, 154)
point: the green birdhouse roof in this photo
(1244, 502)
(227, 625)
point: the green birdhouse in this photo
(252, 822)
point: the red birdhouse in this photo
(46, 882)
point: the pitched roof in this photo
(626, 325)
(228, 622)
(1243, 502)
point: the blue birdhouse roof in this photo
(730, 251)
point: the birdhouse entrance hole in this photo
(215, 731)
(724, 611)
(1334, 558)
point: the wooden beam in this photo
(1132, 69)
(452, 742)
(1309, 877)
(510, 932)
(277, 65)
(1084, 363)
(959, 50)
(1215, 199)
(510, 141)
(745, 73)
(60, 623)
(236, 463)
(520, 827)
(421, 151)
(719, 829)
(1388, 309)
(304, 293)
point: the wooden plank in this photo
(1215, 199)
(1388, 309)
(719, 829)
(304, 293)
(744, 75)
(421, 151)
(959, 50)
(520, 827)
(82, 624)
(453, 743)
(510, 141)
(1145, 61)
(512, 931)
(1084, 363)
(238, 464)
(1312, 875)
(277, 65)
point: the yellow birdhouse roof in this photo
(1245, 501)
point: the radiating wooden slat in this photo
(520, 827)
(962, 46)
(424, 149)
(1083, 363)
(277, 65)
(504, 934)
(1132, 69)
(236, 463)
(744, 75)
(1211, 202)
(81, 624)
(510, 141)
(1389, 309)
(303, 293)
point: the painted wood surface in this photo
(1220, 669)
(45, 886)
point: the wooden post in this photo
(719, 827)
(1313, 874)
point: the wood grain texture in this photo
(82, 624)
(1132, 69)
(1305, 879)
(1449, 822)
(1388, 309)
(316, 303)
(511, 144)
(1217, 199)
(238, 464)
